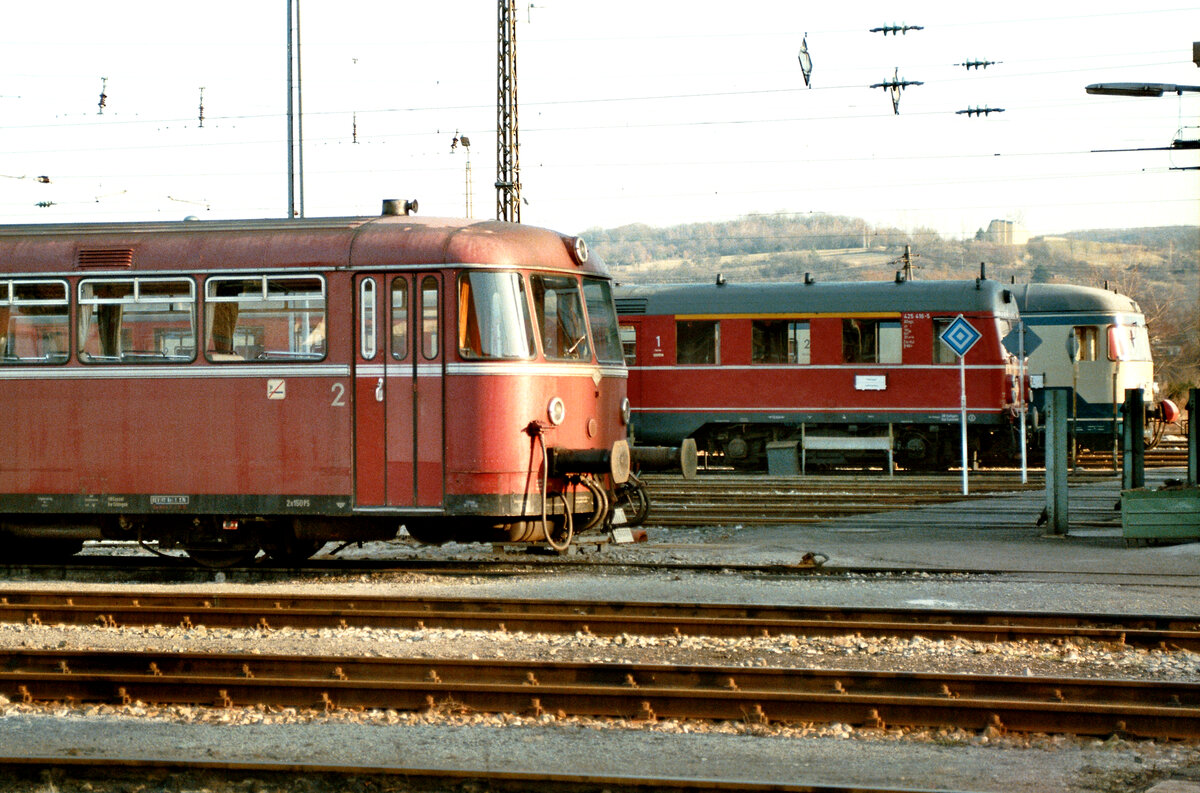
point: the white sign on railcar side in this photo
(961, 336)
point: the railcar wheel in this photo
(222, 558)
(426, 532)
(291, 550)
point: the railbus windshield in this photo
(560, 318)
(1128, 343)
(602, 318)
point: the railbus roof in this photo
(351, 242)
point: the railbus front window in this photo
(493, 316)
(560, 318)
(34, 321)
(137, 320)
(264, 318)
(602, 319)
(697, 341)
(1128, 343)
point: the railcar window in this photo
(137, 320)
(1086, 336)
(366, 319)
(871, 341)
(602, 319)
(560, 318)
(941, 350)
(779, 341)
(429, 317)
(399, 319)
(493, 316)
(1128, 343)
(697, 341)
(629, 343)
(34, 321)
(264, 318)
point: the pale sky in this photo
(657, 112)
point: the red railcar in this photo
(230, 386)
(737, 366)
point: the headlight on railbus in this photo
(626, 411)
(556, 411)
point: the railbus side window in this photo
(941, 350)
(34, 321)
(629, 344)
(697, 341)
(137, 320)
(493, 316)
(871, 341)
(779, 341)
(399, 319)
(560, 318)
(429, 317)
(799, 345)
(264, 318)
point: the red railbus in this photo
(235, 386)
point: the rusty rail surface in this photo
(639, 692)
(348, 776)
(270, 611)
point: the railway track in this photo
(267, 612)
(748, 499)
(1167, 454)
(635, 691)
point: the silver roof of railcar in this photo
(1069, 298)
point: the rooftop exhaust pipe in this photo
(395, 207)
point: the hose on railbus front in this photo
(535, 429)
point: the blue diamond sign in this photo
(960, 336)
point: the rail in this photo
(271, 611)
(640, 692)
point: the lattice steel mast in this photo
(508, 169)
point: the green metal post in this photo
(1057, 459)
(1134, 430)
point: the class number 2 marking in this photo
(339, 395)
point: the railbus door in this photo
(399, 391)
(370, 385)
(429, 389)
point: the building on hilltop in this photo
(1006, 232)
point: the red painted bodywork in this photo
(205, 428)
